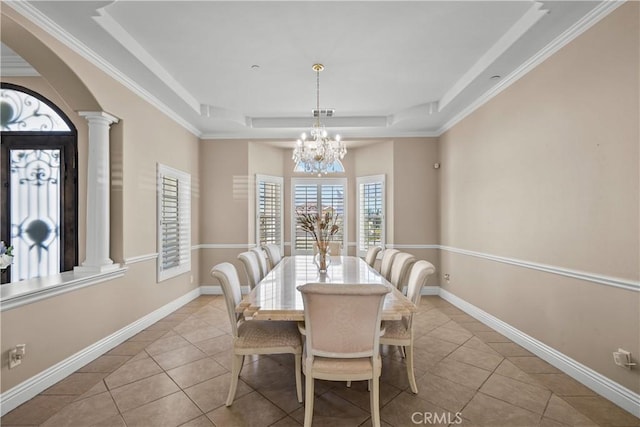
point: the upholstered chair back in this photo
(262, 261)
(273, 253)
(227, 275)
(372, 254)
(252, 267)
(418, 276)
(387, 260)
(342, 321)
(400, 267)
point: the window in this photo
(174, 222)
(39, 181)
(269, 210)
(317, 194)
(370, 212)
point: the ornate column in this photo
(98, 190)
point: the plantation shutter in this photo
(174, 222)
(307, 196)
(370, 212)
(269, 210)
(317, 194)
(333, 196)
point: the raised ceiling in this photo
(241, 69)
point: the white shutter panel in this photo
(305, 195)
(174, 222)
(317, 194)
(370, 212)
(269, 210)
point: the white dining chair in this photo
(400, 332)
(372, 255)
(273, 253)
(400, 267)
(262, 261)
(255, 336)
(342, 343)
(386, 262)
(251, 266)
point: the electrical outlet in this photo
(16, 354)
(447, 277)
(623, 358)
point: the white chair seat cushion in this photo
(395, 329)
(258, 334)
(331, 367)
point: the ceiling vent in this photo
(328, 112)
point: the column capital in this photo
(100, 116)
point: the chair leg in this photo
(241, 365)
(410, 374)
(374, 399)
(298, 359)
(308, 399)
(235, 373)
(403, 353)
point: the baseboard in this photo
(430, 290)
(618, 394)
(28, 389)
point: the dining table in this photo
(276, 296)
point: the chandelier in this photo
(320, 154)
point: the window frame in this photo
(184, 225)
(67, 142)
(319, 182)
(360, 181)
(279, 181)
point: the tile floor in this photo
(176, 373)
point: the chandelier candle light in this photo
(321, 154)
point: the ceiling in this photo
(241, 69)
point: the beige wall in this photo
(416, 184)
(57, 327)
(547, 172)
(224, 180)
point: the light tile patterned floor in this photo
(176, 373)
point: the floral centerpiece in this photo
(6, 255)
(322, 226)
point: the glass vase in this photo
(322, 258)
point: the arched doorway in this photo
(39, 197)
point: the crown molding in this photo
(115, 30)
(589, 20)
(528, 20)
(31, 13)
